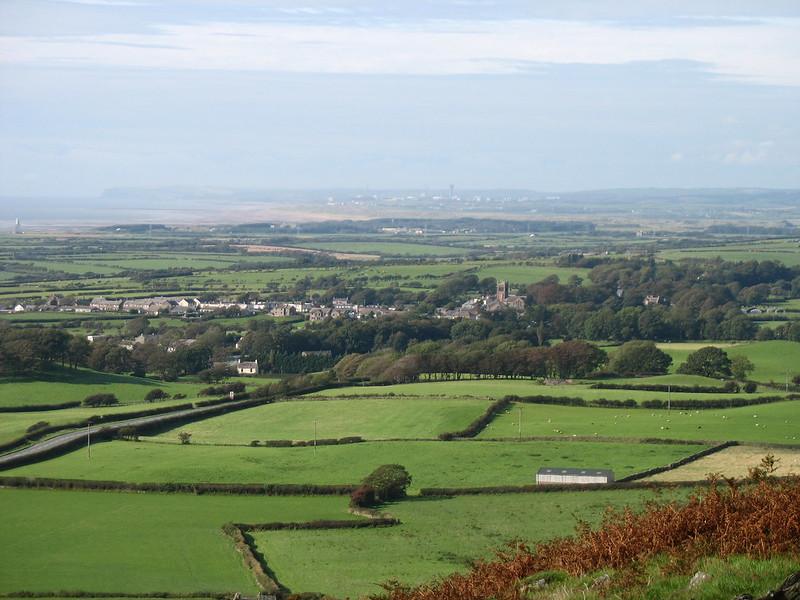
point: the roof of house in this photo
(572, 471)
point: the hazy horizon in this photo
(101, 94)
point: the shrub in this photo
(363, 497)
(255, 443)
(223, 390)
(37, 426)
(389, 482)
(155, 394)
(100, 400)
(178, 396)
(750, 387)
(128, 433)
(185, 437)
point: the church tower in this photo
(502, 291)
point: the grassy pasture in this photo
(436, 537)
(370, 418)
(14, 425)
(386, 248)
(499, 388)
(772, 359)
(66, 385)
(785, 251)
(432, 464)
(118, 542)
(773, 423)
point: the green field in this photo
(436, 537)
(14, 424)
(498, 388)
(67, 385)
(772, 359)
(119, 542)
(369, 418)
(387, 248)
(775, 423)
(432, 464)
(785, 251)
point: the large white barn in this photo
(570, 476)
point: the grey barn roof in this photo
(572, 471)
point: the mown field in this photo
(369, 418)
(135, 543)
(734, 462)
(767, 423)
(436, 537)
(432, 464)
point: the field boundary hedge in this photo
(679, 463)
(662, 387)
(39, 407)
(243, 489)
(321, 524)
(544, 489)
(714, 403)
(480, 423)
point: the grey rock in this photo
(698, 579)
(602, 581)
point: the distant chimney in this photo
(17, 226)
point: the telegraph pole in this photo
(669, 397)
(315, 437)
(519, 424)
(89, 440)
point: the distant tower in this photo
(502, 291)
(452, 191)
(17, 226)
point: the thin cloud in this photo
(765, 53)
(748, 153)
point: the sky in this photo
(547, 95)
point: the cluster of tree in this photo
(496, 357)
(387, 482)
(29, 349)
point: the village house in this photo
(283, 310)
(103, 305)
(247, 368)
(652, 300)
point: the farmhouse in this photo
(570, 476)
(247, 368)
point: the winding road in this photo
(39, 450)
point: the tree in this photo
(389, 482)
(185, 437)
(709, 361)
(741, 367)
(640, 358)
